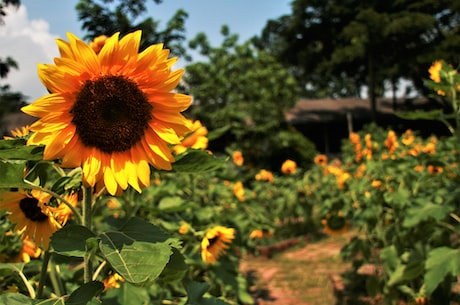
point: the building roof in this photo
(328, 110)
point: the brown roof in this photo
(16, 120)
(327, 110)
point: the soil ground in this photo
(302, 275)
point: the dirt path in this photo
(302, 275)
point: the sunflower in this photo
(238, 190)
(289, 167)
(62, 212)
(111, 112)
(113, 281)
(21, 132)
(30, 215)
(320, 160)
(238, 158)
(265, 175)
(196, 140)
(215, 242)
(335, 224)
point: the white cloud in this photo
(28, 42)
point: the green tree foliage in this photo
(247, 91)
(336, 47)
(106, 17)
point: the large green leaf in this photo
(127, 294)
(173, 204)
(197, 161)
(417, 214)
(138, 262)
(15, 299)
(139, 251)
(71, 240)
(12, 173)
(85, 293)
(441, 262)
(17, 150)
(175, 269)
(141, 230)
(195, 292)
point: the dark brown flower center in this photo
(31, 209)
(212, 241)
(111, 114)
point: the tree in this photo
(99, 18)
(247, 91)
(336, 47)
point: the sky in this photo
(28, 33)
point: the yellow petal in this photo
(167, 134)
(91, 167)
(109, 181)
(109, 52)
(129, 45)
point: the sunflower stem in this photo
(56, 279)
(43, 274)
(87, 222)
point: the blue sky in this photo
(38, 22)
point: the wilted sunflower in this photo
(111, 112)
(30, 215)
(215, 242)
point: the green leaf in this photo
(441, 262)
(172, 204)
(175, 269)
(138, 262)
(197, 161)
(17, 150)
(15, 299)
(195, 292)
(16, 267)
(417, 214)
(12, 173)
(85, 293)
(407, 271)
(141, 230)
(127, 294)
(71, 240)
(139, 251)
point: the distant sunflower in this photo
(20, 132)
(112, 111)
(335, 224)
(215, 242)
(289, 167)
(196, 140)
(30, 215)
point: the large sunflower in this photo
(30, 215)
(112, 111)
(215, 242)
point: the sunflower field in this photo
(111, 196)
